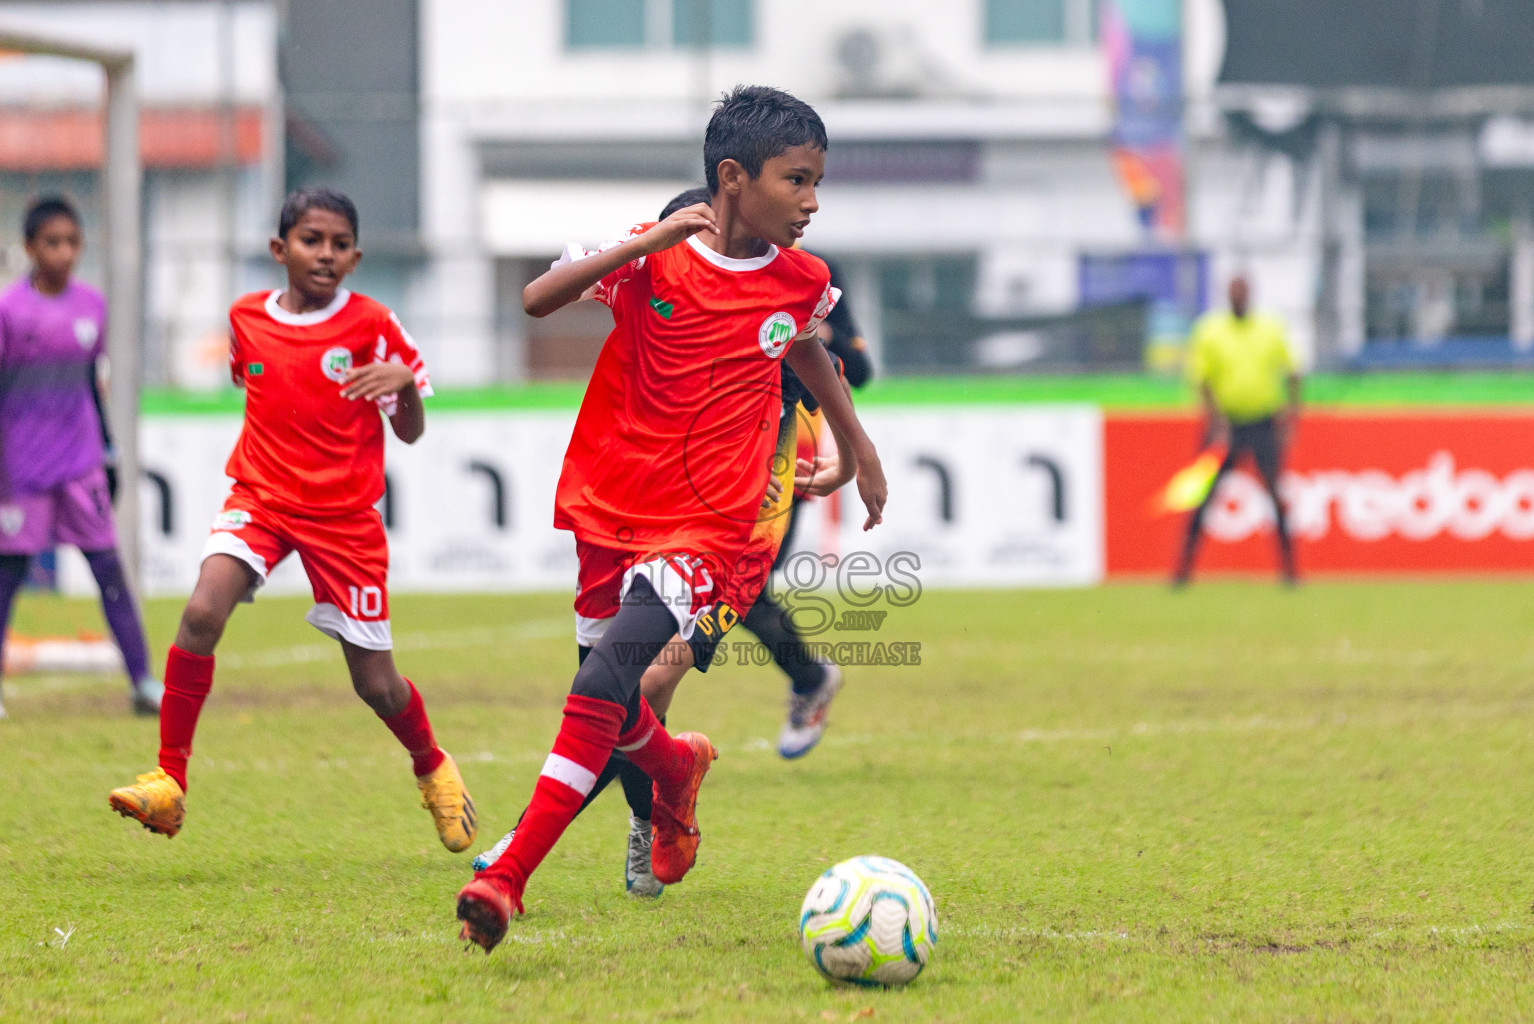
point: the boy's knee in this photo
(367, 687)
(612, 674)
(598, 678)
(203, 619)
(382, 688)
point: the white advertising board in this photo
(988, 497)
(983, 497)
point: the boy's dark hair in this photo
(44, 209)
(315, 198)
(692, 197)
(753, 124)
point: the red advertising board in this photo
(1376, 492)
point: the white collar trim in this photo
(724, 262)
(309, 319)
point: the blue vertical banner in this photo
(1143, 43)
(1174, 284)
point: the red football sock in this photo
(413, 729)
(653, 749)
(585, 741)
(188, 678)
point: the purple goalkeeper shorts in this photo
(77, 512)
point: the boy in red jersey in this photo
(599, 598)
(317, 363)
(670, 459)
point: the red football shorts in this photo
(346, 558)
(691, 583)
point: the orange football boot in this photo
(484, 907)
(675, 817)
(155, 800)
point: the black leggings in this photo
(638, 789)
(1261, 440)
(611, 670)
(617, 662)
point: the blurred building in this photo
(967, 180)
(1417, 123)
(1367, 164)
(211, 137)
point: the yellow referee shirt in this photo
(1245, 361)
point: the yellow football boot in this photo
(156, 801)
(451, 807)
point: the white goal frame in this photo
(122, 179)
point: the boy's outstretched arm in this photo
(807, 358)
(562, 284)
(370, 382)
(409, 419)
(826, 474)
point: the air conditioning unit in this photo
(885, 63)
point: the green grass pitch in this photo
(1234, 803)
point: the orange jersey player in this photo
(318, 364)
(670, 458)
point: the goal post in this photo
(122, 178)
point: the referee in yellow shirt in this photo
(1245, 373)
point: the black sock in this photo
(771, 624)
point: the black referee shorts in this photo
(1260, 437)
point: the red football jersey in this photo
(303, 448)
(675, 437)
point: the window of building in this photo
(716, 22)
(680, 24)
(601, 23)
(921, 298)
(1040, 22)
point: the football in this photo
(869, 921)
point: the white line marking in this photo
(302, 654)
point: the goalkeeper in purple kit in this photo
(53, 475)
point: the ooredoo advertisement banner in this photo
(1424, 492)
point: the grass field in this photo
(1234, 803)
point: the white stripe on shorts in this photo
(588, 630)
(562, 769)
(672, 588)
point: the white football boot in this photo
(147, 695)
(490, 856)
(807, 715)
(638, 878)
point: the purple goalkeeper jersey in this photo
(49, 429)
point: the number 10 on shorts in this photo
(367, 602)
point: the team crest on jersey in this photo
(335, 362)
(775, 333)
(12, 519)
(232, 519)
(86, 332)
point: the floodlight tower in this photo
(122, 175)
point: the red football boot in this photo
(675, 817)
(484, 907)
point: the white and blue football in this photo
(869, 921)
